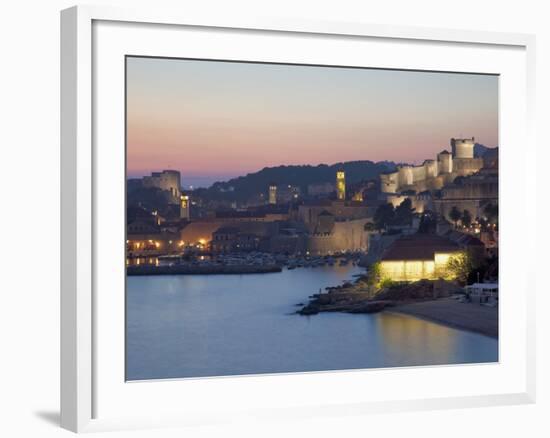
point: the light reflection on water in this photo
(200, 325)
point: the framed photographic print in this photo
(285, 217)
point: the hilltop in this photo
(244, 187)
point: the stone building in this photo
(471, 193)
(308, 212)
(232, 239)
(169, 180)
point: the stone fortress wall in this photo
(417, 183)
(346, 235)
(434, 174)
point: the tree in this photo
(374, 276)
(466, 218)
(383, 215)
(455, 215)
(459, 267)
(404, 212)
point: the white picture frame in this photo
(81, 366)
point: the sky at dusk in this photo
(215, 120)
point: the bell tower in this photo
(341, 185)
(184, 207)
(272, 194)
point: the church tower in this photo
(184, 207)
(272, 194)
(341, 185)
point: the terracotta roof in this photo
(464, 239)
(418, 247)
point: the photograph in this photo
(291, 218)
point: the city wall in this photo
(345, 236)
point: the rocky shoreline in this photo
(429, 300)
(357, 297)
(342, 302)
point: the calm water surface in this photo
(201, 325)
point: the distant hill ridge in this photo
(246, 186)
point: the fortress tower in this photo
(184, 207)
(341, 185)
(445, 162)
(272, 193)
(405, 175)
(463, 147)
(169, 180)
(434, 174)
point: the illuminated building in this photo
(184, 207)
(434, 174)
(272, 194)
(456, 179)
(341, 185)
(418, 257)
(152, 244)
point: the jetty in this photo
(201, 269)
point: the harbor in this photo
(234, 263)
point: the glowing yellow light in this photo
(157, 244)
(202, 241)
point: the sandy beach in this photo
(450, 312)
